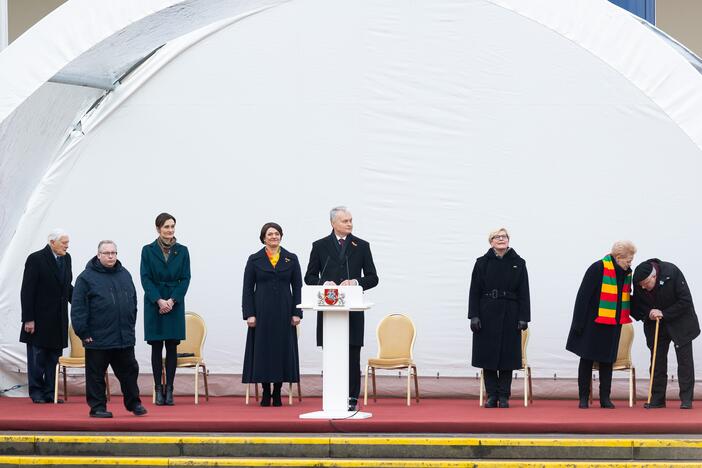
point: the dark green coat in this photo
(164, 280)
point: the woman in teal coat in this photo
(165, 277)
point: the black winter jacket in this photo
(673, 298)
(104, 306)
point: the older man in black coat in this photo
(661, 293)
(343, 259)
(46, 291)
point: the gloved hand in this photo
(475, 324)
(521, 325)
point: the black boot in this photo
(276, 394)
(169, 395)
(158, 393)
(266, 397)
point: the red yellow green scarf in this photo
(609, 296)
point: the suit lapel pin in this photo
(287, 259)
(354, 244)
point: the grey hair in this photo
(106, 241)
(336, 210)
(56, 234)
(623, 248)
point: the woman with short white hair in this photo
(602, 306)
(498, 309)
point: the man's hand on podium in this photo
(349, 282)
(329, 283)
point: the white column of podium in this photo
(335, 352)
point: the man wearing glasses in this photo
(103, 313)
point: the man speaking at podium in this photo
(345, 260)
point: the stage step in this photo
(141, 462)
(371, 450)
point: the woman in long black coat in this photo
(272, 289)
(498, 309)
(601, 307)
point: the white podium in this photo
(335, 303)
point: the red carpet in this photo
(229, 414)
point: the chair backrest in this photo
(396, 334)
(525, 341)
(195, 334)
(626, 339)
(77, 349)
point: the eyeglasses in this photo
(109, 254)
(500, 237)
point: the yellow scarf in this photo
(273, 258)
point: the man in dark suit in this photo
(343, 259)
(46, 291)
(661, 293)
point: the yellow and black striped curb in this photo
(65, 462)
(339, 447)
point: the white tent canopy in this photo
(569, 122)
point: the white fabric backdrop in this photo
(434, 122)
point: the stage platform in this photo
(390, 415)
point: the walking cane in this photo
(653, 361)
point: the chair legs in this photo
(204, 376)
(197, 377)
(365, 387)
(56, 379)
(632, 387)
(416, 384)
(482, 388)
(531, 391)
(526, 386)
(411, 373)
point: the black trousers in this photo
(354, 371)
(585, 376)
(498, 383)
(126, 370)
(41, 371)
(686, 369)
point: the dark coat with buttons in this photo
(163, 279)
(673, 298)
(46, 292)
(271, 295)
(587, 338)
(499, 296)
(104, 306)
(330, 262)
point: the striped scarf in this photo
(609, 296)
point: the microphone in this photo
(321, 275)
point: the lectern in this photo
(335, 303)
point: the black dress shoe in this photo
(654, 405)
(491, 402)
(139, 410)
(100, 414)
(686, 405)
(39, 402)
(584, 404)
(353, 404)
(607, 404)
(503, 403)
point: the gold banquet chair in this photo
(191, 350)
(528, 394)
(75, 360)
(396, 334)
(623, 362)
(290, 384)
